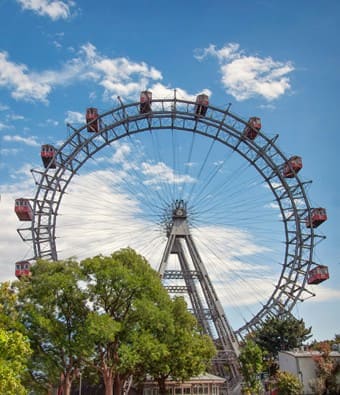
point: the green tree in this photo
(251, 360)
(327, 371)
(111, 315)
(53, 309)
(288, 384)
(281, 333)
(14, 347)
(134, 326)
(182, 350)
(9, 315)
(126, 297)
(14, 353)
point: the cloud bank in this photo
(54, 9)
(117, 76)
(246, 76)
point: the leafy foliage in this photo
(288, 384)
(327, 371)
(53, 311)
(14, 352)
(141, 330)
(281, 333)
(126, 297)
(251, 359)
(186, 352)
(14, 347)
(9, 308)
(109, 315)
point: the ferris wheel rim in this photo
(292, 281)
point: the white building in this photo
(205, 384)
(302, 364)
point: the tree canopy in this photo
(281, 333)
(184, 350)
(108, 315)
(53, 312)
(327, 371)
(127, 299)
(251, 360)
(14, 346)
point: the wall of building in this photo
(301, 364)
(302, 367)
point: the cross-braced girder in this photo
(201, 293)
(219, 125)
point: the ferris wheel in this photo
(127, 175)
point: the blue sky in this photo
(280, 62)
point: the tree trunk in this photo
(67, 384)
(161, 385)
(108, 381)
(117, 385)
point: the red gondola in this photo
(252, 129)
(292, 166)
(22, 269)
(92, 116)
(202, 103)
(23, 209)
(318, 274)
(317, 217)
(48, 156)
(145, 102)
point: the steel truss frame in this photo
(204, 301)
(218, 124)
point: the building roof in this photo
(298, 353)
(208, 377)
(200, 379)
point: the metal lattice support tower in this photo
(203, 298)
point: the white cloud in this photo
(57, 44)
(3, 126)
(3, 107)
(9, 151)
(118, 76)
(122, 68)
(121, 153)
(25, 172)
(54, 9)
(23, 86)
(48, 123)
(246, 76)
(16, 117)
(160, 91)
(267, 106)
(31, 141)
(160, 172)
(325, 294)
(74, 117)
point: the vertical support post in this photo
(204, 300)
